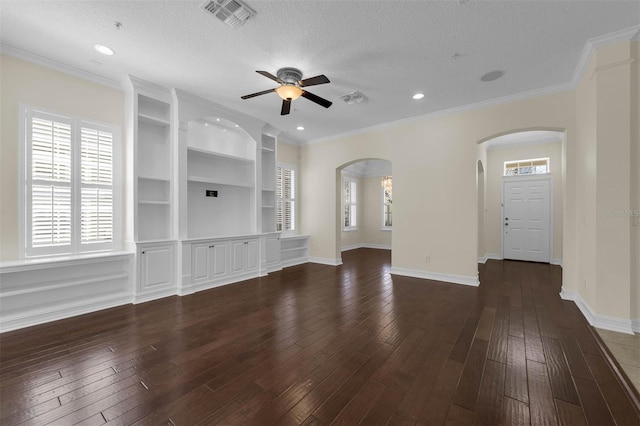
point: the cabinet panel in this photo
(156, 267)
(252, 249)
(237, 260)
(200, 262)
(218, 260)
(273, 250)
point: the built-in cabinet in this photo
(203, 209)
(150, 173)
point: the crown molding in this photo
(464, 108)
(632, 33)
(58, 66)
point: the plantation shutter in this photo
(285, 199)
(49, 139)
(96, 169)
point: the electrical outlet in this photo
(427, 259)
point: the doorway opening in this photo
(520, 212)
(364, 205)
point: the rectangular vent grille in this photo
(354, 98)
(232, 12)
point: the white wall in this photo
(34, 85)
(494, 173)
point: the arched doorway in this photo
(364, 205)
(501, 154)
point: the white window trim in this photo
(348, 178)
(383, 227)
(23, 159)
(293, 167)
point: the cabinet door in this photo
(252, 251)
(218, 256)
(237, 256)
(273, 250)
(156, 267)
(199, 262)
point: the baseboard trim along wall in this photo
(435, 276)
(605, 322)
(326, 261)
(493, 256)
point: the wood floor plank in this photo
(559, 373)
(570, 414)
(490, 398)
(316, 344)
(515, 413)
(595, 408)
(541, 404)
(467, 391)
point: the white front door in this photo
(526, 225)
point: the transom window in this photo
(69, 193)
(535, 166)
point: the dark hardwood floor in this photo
(317, 345)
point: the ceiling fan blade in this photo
(317, 99)
(286, 106)
(319, 79)
(269, 75)
(253, 95)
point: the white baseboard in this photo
(483, 259)
(55, 313)
(365, 245)
(325, 261)
(450, 278)
(605, 322)
(489, 256)
(153, 295)
(635, 325)
(557, 262)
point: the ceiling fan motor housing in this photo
(289, 75)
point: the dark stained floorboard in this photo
(317, 345)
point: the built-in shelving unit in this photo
(294, 250)
(221, 179)
(153, 167)
(268, 154)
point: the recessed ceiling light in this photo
(237, 125)
(492, 75)
(300, 128)
(217, 119)
(104, 49)
(418, 96)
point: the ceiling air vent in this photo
(354, 98)
(232, 12)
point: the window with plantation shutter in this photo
(285, 199)
(69, 199)
(350, 203)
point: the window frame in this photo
(384, 204)
(75, 247)
(293, 201)
(351, 180)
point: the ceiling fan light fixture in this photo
(289, 91)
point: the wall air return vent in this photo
(232, 12)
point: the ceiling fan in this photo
(291, 87)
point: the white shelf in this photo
(264, 148)
(159, 203)
(203, 179)
(158, 178)
(219, 155)
(158, 121)
(289, 250)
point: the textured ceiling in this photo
(387, 50)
